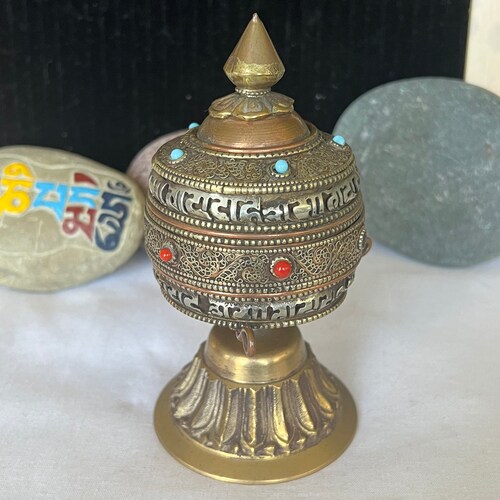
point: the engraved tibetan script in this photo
(223, 208)
(257, 311)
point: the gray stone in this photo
(64, 219)
(428, 150)
(140, 166)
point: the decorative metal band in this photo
(274, 235)
(239, 270)
(192, 203)
(245, 174)
(257, 313)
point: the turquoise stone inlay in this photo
(176, 154)
(338, 139)
(193, 125)
(281, 167)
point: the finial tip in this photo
(254, 62)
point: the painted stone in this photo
(64, 219)
(140, 166)
(429, 157)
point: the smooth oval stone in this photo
(428, 150)
(64, 219)
(140, 166)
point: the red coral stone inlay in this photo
(282, 269)
(166, 254)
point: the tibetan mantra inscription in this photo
(223, 208)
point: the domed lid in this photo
(253, 144)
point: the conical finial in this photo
(254, 63)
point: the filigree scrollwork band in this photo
(231, 268)
(312, 166)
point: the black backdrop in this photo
(102, 78)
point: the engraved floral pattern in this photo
(238, 270)
(323, 160)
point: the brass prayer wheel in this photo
(255, 223)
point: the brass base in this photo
(273, 417)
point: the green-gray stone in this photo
(429, 154)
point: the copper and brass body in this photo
(228, 216)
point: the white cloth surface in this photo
(418, 347)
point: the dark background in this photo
(102, 78)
